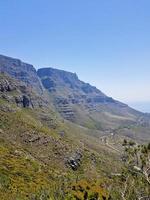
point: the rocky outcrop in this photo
(74, 161)
(23, 101)
(54, 78)
(18, 93)
(20, 71)
(49, 84)
(64, 108)
(59, 76)
(74, 98)
(6, 86)
(82, 103)
(67, 90)
(34, 138)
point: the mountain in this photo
(20, 71)
(75, 100)
(84, 104)
(72, 99)
(61, 138)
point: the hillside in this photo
(75, 100)
(84, 104)
(61, 138)
(87, 106)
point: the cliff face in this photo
(20, 84)
(54, 79)
(20, 71)
(82, 103)
(69, 93)
(18, 93)
(75, 100)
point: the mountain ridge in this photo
(29, 67)
(72, 98)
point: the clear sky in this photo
(106, 42)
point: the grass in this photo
(33, 170)
(26, 174)
(20, 177)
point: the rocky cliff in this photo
(20, 71)
(17, 92)
(72, 98)
(82, 103)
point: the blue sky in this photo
(106, 42)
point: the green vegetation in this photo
(83, 190)
(26, 174)
(43, 156)
(20, 176)
(136, 171)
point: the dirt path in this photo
(104, 139)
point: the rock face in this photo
(6, 85)
(18, 93)
(54, 79)
(23, 101)
(75, 100)
(82, 103)
(69, 91)
(20, 71)
(75, 160)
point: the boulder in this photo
(74, 161)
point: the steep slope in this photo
(84, 104)
(18, 92)
(20, 71)
(60, 138)
(76, 101)
(41, 156)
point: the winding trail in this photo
(104, 139)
